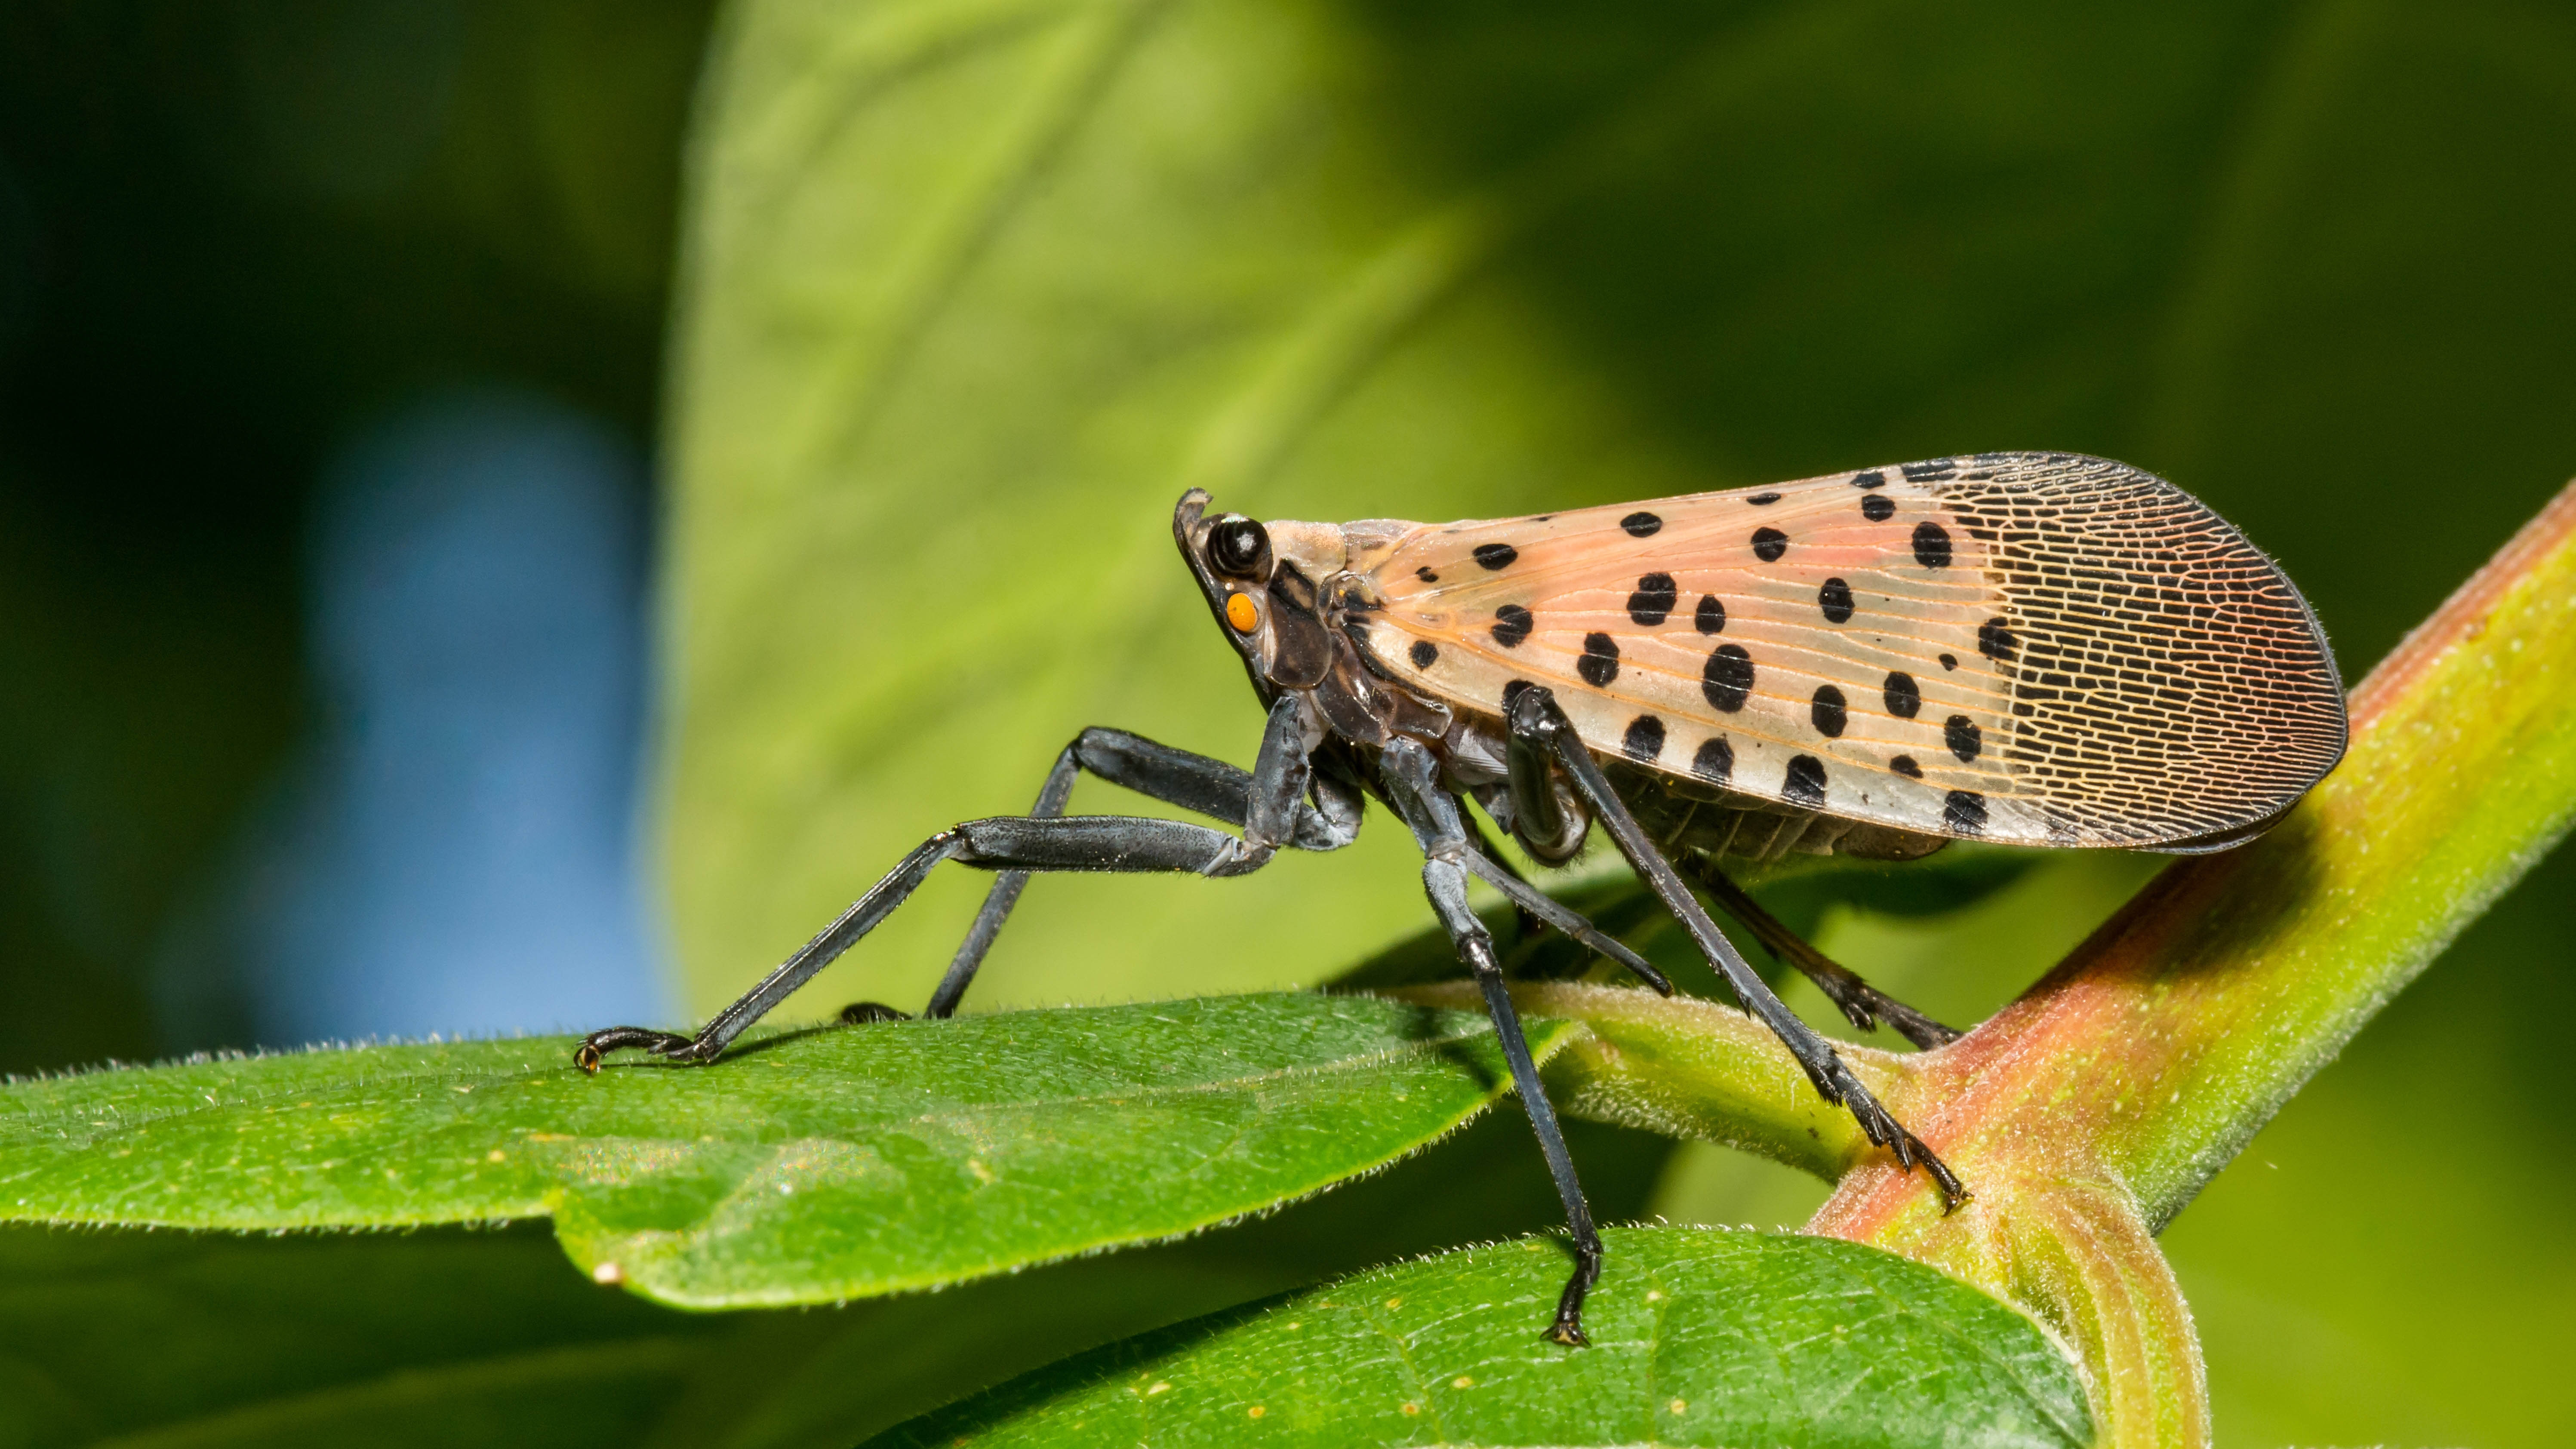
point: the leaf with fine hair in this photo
(1699, 1337)
(445, 1336)
(805, 1168)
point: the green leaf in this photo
(416, 1338)
(804, 1168)
(486, 1336)
(1699, 1337)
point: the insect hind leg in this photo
(1862, 1004)
(1534, 716)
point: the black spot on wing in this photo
(1599, 662)
(1870, 479)
(1963, 737)
(1711, 617)
(1829, 711)
(1762, 500)
(1877, 507)
(1805, 782)
(1425, 653)
(1641, 524)
(1904, 765)
(1835, 600)
(1769, 544)
(1653, 601)
(1715, 761)
(1995, 640)
(1904, 696)
(1964, 812)
(1728, 678)
(1496, 555)
(1949, 661)
(1931, 545)
(1426, 575)
(1512, 624)
(1644, 740)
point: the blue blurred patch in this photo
(456, 849)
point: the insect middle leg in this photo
(1862, 1004)
(1273, 816)
(1412, 780)
(1484, 865)
(1537, 721)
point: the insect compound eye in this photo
(1239, 546)
(1240, 613)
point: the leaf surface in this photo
(808, 1167)
(486, 1336)
(1700, 1337)
(385, 1339)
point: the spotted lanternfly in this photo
(2039, 649)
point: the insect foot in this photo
(860, 1013)
(1865, 1006)
(661, 1043)
(1881, 1127)
(1568, 1327)
(1913, 1025)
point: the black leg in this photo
(1526, 923)
(1536, 718)
(844, 932)
(1864, 1005)
(1176, 777)
(1018, 844)
(998, 902)
(1536, 904)
(1413, 784)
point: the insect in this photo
(2039, 649)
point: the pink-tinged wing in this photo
(2035, 648)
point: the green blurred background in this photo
(960, 293)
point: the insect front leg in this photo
(1273, 813)
(1862, 1004)
(1534, 716)
(1413, 785)
(1262, 802)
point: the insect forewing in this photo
(2036, 648)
